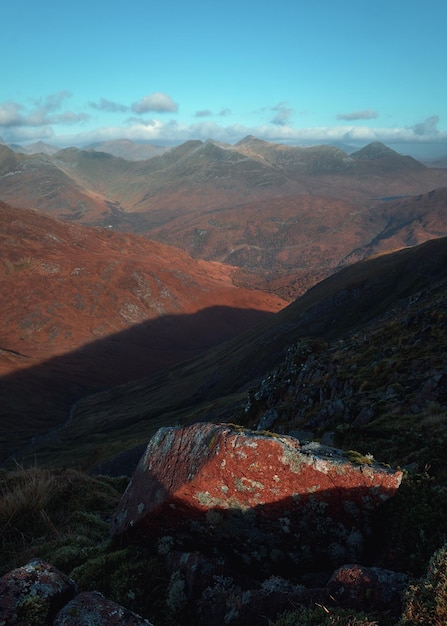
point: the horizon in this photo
(424, 152)
(298, 74)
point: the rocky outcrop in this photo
(257, 499)
(39, 593)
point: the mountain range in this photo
(284, 216)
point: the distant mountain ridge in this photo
(283, 216)
(127, 149)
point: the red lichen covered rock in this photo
(266, 497)
(33, 594)
(91, 607)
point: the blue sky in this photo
(293, 71)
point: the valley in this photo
(120, 269)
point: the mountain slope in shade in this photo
(67, 286)
(214, 385)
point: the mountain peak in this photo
(251, 140)
(374, 150)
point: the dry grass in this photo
(42, 510)
(25, 495)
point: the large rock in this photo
(265, 500)
(33, 594)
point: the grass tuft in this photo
(25, 496)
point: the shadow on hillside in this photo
(37, 399)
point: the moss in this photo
(212, 442)
(426, 600)
(357, 457)
(131, 576)
(33, 610)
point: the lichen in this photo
(176, 597)
(244, 485)
(33, 609)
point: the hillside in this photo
(89, 308)
(214, 386)
(34, 181)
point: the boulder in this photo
(263, 500)
(91, 607)
(33, 594)
(367, 588)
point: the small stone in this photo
(33, 594)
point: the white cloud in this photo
(44, 113)
(157, 102)
(282, 115)
(29, 134)
(366, 114)
(43, 109)
(109, 105)
(43, 119)
(53, 101)
(68, 117)
(10, 114)
(427, 127)
(203, 113)
(175, 132)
